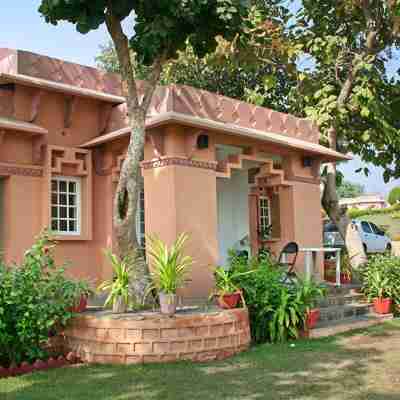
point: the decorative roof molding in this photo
(21, 170)
(270, 137)
(166, 161)
(59, 87)
(22, 126)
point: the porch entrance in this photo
(248, 201)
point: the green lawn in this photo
(359, 366)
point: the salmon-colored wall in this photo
(183, 199)
(22, 214)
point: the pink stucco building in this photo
(219, 169)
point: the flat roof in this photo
(229, 128)
(30, 81)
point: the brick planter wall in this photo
(101, 337)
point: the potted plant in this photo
(227, 292)
(310, 293)
(118, 287)
(170, 268)
(378, 288)
(82, 292)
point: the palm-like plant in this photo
(118, 287)
(170, 266)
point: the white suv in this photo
(373, 238)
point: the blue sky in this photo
(22, 27)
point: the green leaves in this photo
(118, 287)
(170, 267)
(34, 299)
(381, 277)
(161, 26)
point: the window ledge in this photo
(59, 237)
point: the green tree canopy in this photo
(394, 196)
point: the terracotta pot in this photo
(312, 318)
(382, 305)
(229, 300)
(167, 303)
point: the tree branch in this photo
(120, 40)
(151, 83)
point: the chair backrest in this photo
(291, 249)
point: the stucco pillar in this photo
(180, 196)
(301, 220)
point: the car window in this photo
(365, 227)
(375, 228)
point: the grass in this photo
(361, 366)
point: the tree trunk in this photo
(125, 206)
(338, 215)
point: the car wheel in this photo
(389, 248)
(365, 248)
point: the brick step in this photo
(341, 300)
(329, 328)
(335, 313)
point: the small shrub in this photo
(35, 298)
(355, 213)
(381, 277)
(277, 311)
(394, 196)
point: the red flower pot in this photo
(382, 305)
(228, 301)
(81, 306)
(312, 318)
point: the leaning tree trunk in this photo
(125, 206)
(338, 215)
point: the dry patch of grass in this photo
(360, 366)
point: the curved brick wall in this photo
(150, 337)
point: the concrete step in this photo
(329, 328)
(341, 300)
(342, 290)
(335, 313)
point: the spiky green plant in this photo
(118, 287)
(170, 267)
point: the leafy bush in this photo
(394, 196)
(355, 213)
(381, 277)
(35, 298)
(277, 311)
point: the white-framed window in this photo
(264, 216)
(140, 227)
(65, 205)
